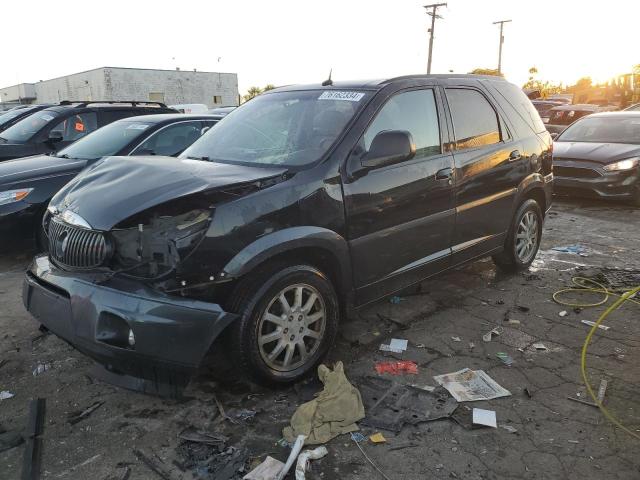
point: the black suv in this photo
(56, 127)
(27, 184)
(299, 206)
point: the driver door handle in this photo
(445, 174)
(515, 155)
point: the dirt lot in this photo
(555, 437)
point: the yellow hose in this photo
(582, 285)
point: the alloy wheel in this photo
(527, 237)
(292, 327)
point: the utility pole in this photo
(501, 22)
(434, 15)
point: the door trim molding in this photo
(485, 200)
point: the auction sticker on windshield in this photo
(337, 95)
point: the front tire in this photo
(523, 238)
(288, 322)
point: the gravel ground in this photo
(554, 439)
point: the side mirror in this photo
(389, 147)
(55, 136)
(554, 136)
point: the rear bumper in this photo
(171, 333)
(612, 185)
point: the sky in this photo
(286, 42)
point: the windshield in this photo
(28, 127)
(288, 128)
(603, 130)
(108, 140)
(7, 117)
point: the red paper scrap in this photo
(397, 368)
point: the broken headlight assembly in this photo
(152, 243)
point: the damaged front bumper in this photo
(127, 327)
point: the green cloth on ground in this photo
(333, 412)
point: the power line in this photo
(501, 22)
(433, 13)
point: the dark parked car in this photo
(562, 116)
(27, 184)
(305, 203)
(13, 116)
(598, 156)
(544, 107)
(56, 127)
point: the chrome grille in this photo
(76, 247)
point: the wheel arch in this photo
(532, 187)
(322, 248)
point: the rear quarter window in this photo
(521, 111)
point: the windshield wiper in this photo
(205, 158)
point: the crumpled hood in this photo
(117, 187)
(21, 171)
(602, 153)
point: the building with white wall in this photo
(114, 83)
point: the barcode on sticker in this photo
(337, 95)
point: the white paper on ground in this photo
(267, 470)
(398, 344)
(470, 385)
(387, 348)
(484, 417)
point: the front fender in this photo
(289, 239)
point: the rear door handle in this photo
(515, 155)
(444, 174)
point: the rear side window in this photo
(475, 122)
(415, 112)
(521, 103)
(76, 126)
(171, 140)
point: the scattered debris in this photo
(358, 437)
(522, 308)
(397, 368)
(471, 345)
(563, 313)
(377, 438)
(572, 249)
(303, 460)
(76, 417)
(573, 441)
(509, 428)
(154, 466)
(9, 440)
(242, 414)
(33, 448)
(487, 337)
(456, 339)
(484, 417)
(540, 346)
(283, 443)
(3, 362)
(191, 434)
(396, 345)
(223, 414)
(602, 390)
(267, 470)
(41, 368)
(75, 467)
(6, 394)
(395, 300)
(513, 321)
(333, 412)
(401, 446)
(426, 388)
(384, 318)
(506, 358)
(295, 451)
(527, 392)
(420, 345)
(593, 324)
(390, 405)
(371, 461)
(470, 385)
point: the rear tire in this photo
(523, 238)
(283, 311)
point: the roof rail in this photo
(134, 103)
